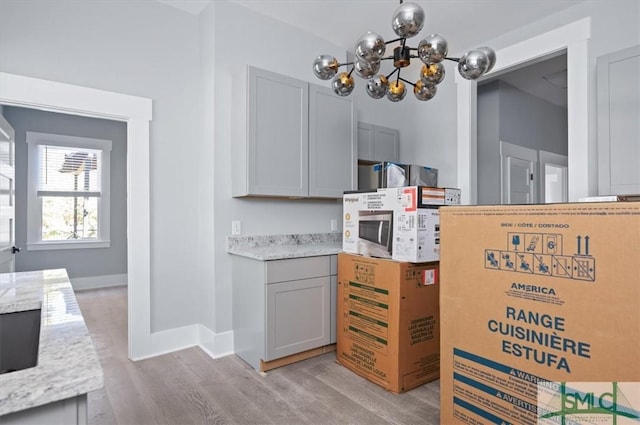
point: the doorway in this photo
(35, 93)
(572, 38)
(526, 106)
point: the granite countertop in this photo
(278, 247)
(68, 364)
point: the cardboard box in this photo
(416, 236)
(430, 196)
(540, 294)
(388, 321)
(368, 207)
(389, 223)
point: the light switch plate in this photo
(236, 228)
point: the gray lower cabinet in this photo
(62, 412)
(282, 307)
(297, 316)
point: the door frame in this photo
(7, 131)
(574, 38)
(545, 158)
(509, 150)
(35, 93)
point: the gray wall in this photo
(183, 63)
(78, 262)
(615, 24)
(142, 48)
(510, 115)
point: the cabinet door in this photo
(377, 143)
(277, 135)
(386, 144)
(618, 123)
(297, 316)
(332, 146)
(365, 141)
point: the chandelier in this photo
(370, 49)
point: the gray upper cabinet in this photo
(377, 143)
(299, 142)
(332, 147)
(619, 122)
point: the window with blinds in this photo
(67, 184)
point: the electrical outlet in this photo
(334, 225)
(236, 227)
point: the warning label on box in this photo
(366, 317)
(485, 390)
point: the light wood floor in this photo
(189, 387)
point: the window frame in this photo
(34, 203)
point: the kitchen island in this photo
(55, 390)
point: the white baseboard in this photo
(171, 340)
(215, 345)
(94, 282)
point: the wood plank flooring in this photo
(189, 387)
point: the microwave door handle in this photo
(380, 226)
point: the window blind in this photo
(69, 171)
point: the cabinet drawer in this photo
(297, 268)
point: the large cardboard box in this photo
(416, 235)
(388, 321)
(391, 223)
(540, 294)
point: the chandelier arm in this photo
(453, 59)
(394, 40)
(398, 77)
(406, 81)
(393, 72)
(345, 64)
(386, 58)
(351, 72)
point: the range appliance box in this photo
(389, 223)
(540, 294)
(388, 321)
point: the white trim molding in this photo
(96, 282)
(18, 90)
(574, 39)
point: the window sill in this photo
(44, 246)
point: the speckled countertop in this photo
(68, 364)
(278, 247)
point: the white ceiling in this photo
(461, 22)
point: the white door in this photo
(518, 174)
(7, 196)
(554, 175)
